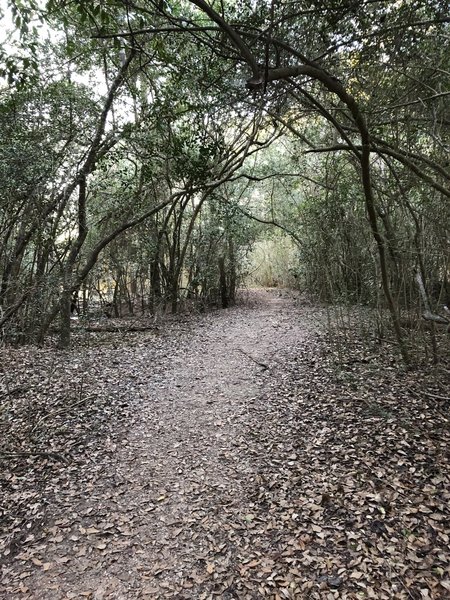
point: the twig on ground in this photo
(429, 395)
(119, 328)
(56, 412)
(54, 455)
(261, 364)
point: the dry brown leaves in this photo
(325, 476)
(355, 479)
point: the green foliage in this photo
(180, 118)
(273, 263)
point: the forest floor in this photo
(236, 454)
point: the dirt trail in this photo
(239, 455)
(188, 454)
(156, 522)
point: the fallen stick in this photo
(59, 411)
(428, 394)
(112, 329)
(261, 364)
(54, 455)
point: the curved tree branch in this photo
(232, 34)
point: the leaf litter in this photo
(236, 454)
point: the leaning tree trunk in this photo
(259, 81)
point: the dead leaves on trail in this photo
(189, 473)
(355, 479)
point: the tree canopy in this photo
(148, 145)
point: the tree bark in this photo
(223, 283)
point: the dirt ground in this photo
(224, 455)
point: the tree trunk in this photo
(223, 283)
(233, 275)
(64, 315)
